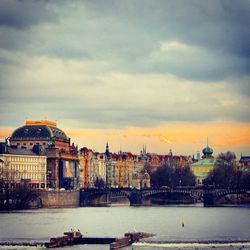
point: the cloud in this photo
(92, 64)
(19, 14)
(63, 89)
(218, 29)
(186, 139)
(208, 41)
(164, 139)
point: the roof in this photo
(20, 151)
(245, 159)
(204, 162)
(38, 132)
(207, 151)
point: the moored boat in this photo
(58, 242)
(128, 239)
(121, 242)
(66, 240)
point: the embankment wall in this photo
(60, 199)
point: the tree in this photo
(172, 176)
(147, 169)
(225, 173)
(245, 180)
(22, 196)
(162, 177)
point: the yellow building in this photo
(126, 169)
(23, 166)
(202, 168)
(123, 172)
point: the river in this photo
(200, 224)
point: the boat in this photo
(66, 240)
(58, 242)
(75, 238)
(128, 239)
(121, 242)
(146, 235)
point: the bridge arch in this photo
(223, 193)
(171, 196)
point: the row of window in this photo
(38, 177)
(28, 167)
(31, 185)
(31, 144)
(27, 159)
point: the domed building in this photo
(202, 168)
(62, 157)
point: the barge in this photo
(76, 238)
(65, 240)
(128, 239)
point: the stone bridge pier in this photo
(136, 198)
(209, 199)
(90, 198)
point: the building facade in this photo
(22, 166)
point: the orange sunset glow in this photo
(181, 138)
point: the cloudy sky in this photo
(163, 73)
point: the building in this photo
(100, 166)
(109, 168)
(22, 166)
(62, 156)
(202, 168)
(84, 165)
(245, 162)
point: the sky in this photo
(165, 74)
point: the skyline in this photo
(167, 74)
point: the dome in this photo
(207, 151)
(41, 131)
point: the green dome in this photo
(207, 151)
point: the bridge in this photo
(209, 196)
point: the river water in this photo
(200, 224)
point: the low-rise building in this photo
(22, 166)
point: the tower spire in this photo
(107, 151)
